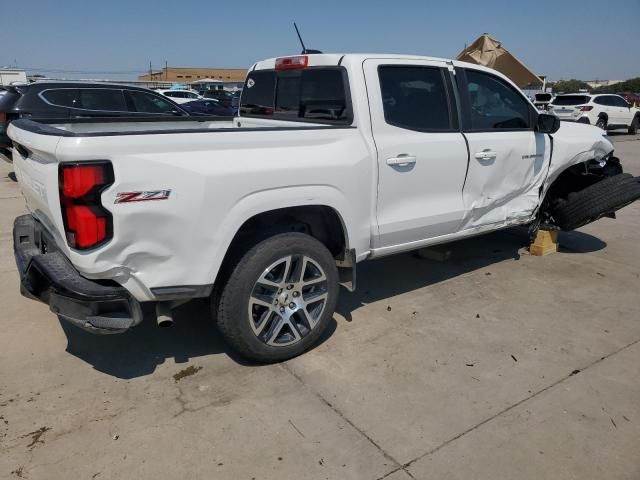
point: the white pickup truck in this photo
(333, 159)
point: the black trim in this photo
(182, 292)
(41, 128)
(340, 61)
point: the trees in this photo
(569, 86)
(631, 85)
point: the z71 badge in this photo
(128, 197)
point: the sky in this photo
(117, 39)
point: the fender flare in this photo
(265, 201)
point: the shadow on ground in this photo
(139, 351)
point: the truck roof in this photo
(320, 59)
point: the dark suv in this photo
(78, 99)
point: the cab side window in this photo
(494, 104)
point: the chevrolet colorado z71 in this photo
(333, 159)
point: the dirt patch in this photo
(187, 372)
(36, 437)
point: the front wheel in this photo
(279, 298)
(633, 128)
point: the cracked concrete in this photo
(491, 365)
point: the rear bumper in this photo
(47, 275)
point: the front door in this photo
(508, 158)
(422, 156)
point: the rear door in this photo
(508, 158)
(422, 156)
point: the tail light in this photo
(292, 63)
(87, 223)
(587, 108)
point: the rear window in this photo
(543, 97)
(62, 97)
(571, 100)
(316, 94)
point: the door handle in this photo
(401, 160)
(486, 154)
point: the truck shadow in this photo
(138, 352)
(395, 275)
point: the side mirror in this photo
(547, 123)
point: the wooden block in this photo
(546, 243)
(439, 254)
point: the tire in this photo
(633, 128)
(261, 313)
(602, 123)
(595, 201)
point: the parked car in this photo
(209, 107)
(224, 97)
(606, 111)
(181, 96)
(333, 160)
(542, 101)
(79, 99)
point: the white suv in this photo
(181, 96)
(609, 112)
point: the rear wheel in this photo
(633, 129)
(279, 298)
(602, 123)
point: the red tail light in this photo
(588, 108)
(87, 223)
(292, 63)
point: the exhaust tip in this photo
(164, 316)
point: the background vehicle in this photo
(334, 159)
(209, 107)
(181, 96)
(542, 101)
(78, 99)
(224, 97)
(607, 111)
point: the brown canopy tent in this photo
(489, 52)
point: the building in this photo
(190, 75)
(12, 75)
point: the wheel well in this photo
(321, 222)
(603, 115)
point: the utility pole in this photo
(166, 71)
(150, 72)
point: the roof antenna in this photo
(304, 49)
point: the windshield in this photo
(571, 100)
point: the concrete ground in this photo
(491, 365)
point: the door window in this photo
(415, 98)
(620, 102)
(149, 103)
(102, 99)
(494, 104)
(602, 101)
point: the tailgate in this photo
(36, 169)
